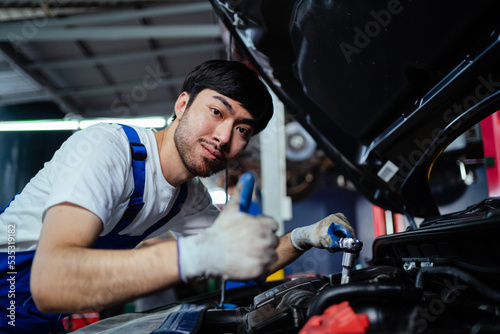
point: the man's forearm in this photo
(73, 279)
(286, 253)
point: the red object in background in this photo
(80, 320)
(378, 221)
(337, 319)
(380, 224)
(490, 134)
(399, 225)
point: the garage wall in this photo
(22, 154)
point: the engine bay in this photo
(440, 278)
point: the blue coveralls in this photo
(16, 266)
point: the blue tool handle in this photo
(336, 232)
(247, 183)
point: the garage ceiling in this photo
(103, 58)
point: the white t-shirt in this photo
(93, 169)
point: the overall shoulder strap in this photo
(139, 155)
(113, 239)
(176, 208)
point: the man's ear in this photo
(181, 104)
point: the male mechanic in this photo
(77, 224)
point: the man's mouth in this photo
(211, 152)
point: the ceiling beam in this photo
(126, 56)
(165, 108)
(19, 65)
(114, 33)
(111, 89)
(112, 15)
(22, 98)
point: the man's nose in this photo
(223, 133)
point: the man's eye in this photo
(216, 112)
(243, 131)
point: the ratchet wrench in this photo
(351, 248)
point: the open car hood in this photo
(382, 86)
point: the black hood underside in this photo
(382, 86)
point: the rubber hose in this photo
(480, 287)
(361, 291)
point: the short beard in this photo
(209, 171)
(188, 162)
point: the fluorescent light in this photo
(62, 124)
(41, 125)
(147, 122)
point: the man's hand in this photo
(323, 234)
(237, 246)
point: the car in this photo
(397, 94)
(389, 90)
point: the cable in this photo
(226, 183)
(480, 287)
(411, 221)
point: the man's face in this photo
(212, 132)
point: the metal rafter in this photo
(81, 28)
(18, 64)
(166, 108)
(21, 98)
(110, 89)
(109, 16)
(115, 33)
(126, 56)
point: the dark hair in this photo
(236, 81)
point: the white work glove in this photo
(323, 234)
(237, 246)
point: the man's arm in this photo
(286, 253)
(68, 276)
